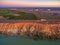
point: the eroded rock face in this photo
(14, 27)
(22, 28)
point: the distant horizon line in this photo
(25, 7)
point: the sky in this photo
(30, 3)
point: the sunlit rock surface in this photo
(14, 27)
(23, 27)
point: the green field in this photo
(22, 16)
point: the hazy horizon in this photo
(30, 3)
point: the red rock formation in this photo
(15, 27)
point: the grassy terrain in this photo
(23, 16)
(8, 14)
